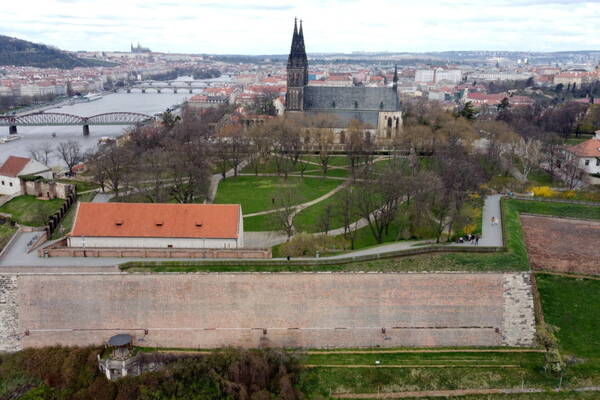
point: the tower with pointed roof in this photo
(297, 71)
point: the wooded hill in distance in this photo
(27, 54)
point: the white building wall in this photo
(424, 75)
(153, 242)
(593, 165)
(9, 185)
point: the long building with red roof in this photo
(142, 225)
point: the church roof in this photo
(351, 99)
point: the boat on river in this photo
(12, 138)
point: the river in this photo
(37, 136)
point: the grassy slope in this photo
(256, 193)
(557, 209)
(81, 186)
(27, 210)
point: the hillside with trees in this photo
(27, 54)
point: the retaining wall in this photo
(61, 250)
(312, 310)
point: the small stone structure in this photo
(123, 362)
(45, 189)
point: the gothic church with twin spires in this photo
(377, 107)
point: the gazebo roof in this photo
(122, 339)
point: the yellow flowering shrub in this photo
(543, 191)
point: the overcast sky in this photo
(265, 27)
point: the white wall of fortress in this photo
(310, 310)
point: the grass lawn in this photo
(258, 223)
(81, 186)
(539, 177)
(256, 193)
(306, 220)
(573, 305)
(557, 209)
(460, 372)
(27, 210)
(527, 396)
(335, 172)
(270, 167)
(334, 161)
(6, 232)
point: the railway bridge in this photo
(62, 119)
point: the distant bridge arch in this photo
(63, 119)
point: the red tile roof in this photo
(13, 166)
(211, 221)
(589, 148)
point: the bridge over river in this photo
(64, 119)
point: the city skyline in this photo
(241, 27)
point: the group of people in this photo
(473, 239)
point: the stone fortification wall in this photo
(312, 310)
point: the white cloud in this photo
(264, 27)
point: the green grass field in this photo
(334, 161)
(27, 210)
(574, 306)
(557, 209)
(306, 220)
(258, 223)
(257, 193)
(270, 167)
(333, 172)
(81, 186)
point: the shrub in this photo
(543, 191)
(569, 194)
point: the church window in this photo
(381, 105)
(355, 104)
(343, 137)
(333, 104)
(397, 123)
(389, 122)
(307, 139)
(368, 137)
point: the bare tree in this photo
(70, 152)
(529, 153)
(115, 163)
(324, 219)
(283, 219)
(189, 169)
(41, 153)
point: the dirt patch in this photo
(563, 245)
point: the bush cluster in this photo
(72, 373)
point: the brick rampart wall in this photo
(314, 310)
(63, 251)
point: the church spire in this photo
(395, 76)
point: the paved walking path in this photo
(302, 206)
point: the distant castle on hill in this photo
(140, 49)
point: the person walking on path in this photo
(476, 240)
(494, 221)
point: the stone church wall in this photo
(314, 310)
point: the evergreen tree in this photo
(468, 111)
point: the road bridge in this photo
(62, 119)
